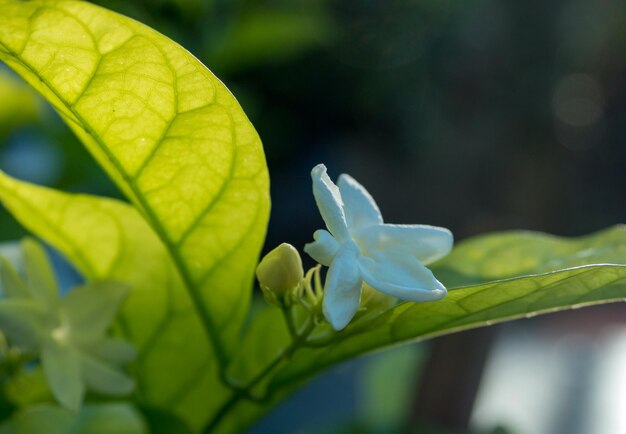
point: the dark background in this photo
(478, 116)
(475, 115)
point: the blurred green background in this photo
(476, 115)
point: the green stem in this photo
(288, 314)
(245, 392)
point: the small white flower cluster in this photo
(358, 247)
(67, 335)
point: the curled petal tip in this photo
(323, 249)
(440, 292)
(318, 170)
(329, 202)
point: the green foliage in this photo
(107, 239)
(516, 295)
(515, 253)
(465, 308)
(167, 132)
(66, 334)
(493, 278)
(271, 37)
(93, 419)
(383, 414)
(178, 145)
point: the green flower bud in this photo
(279, 272)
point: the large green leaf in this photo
(168, 133)
(107, 239)
(518, 293)
(515, 253)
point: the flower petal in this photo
(12, 284)
(12, 252)
(329, 202)
(103, 378)
(40, 278)
(112, 350)
(61, 364)
(342, 291)
(359, 206)
(24, 322)
(90, 309)
(401, 276)
(423, 242)
(323, 249)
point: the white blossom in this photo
(358, 247)
(68, 334)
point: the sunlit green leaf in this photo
(515, 253)
(168, 133)
(107, 239)
(469, 307)
(465, 307)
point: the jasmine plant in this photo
(166, 334)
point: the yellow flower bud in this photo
(279, 272)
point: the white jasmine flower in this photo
(68, 334)
(358, 247)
